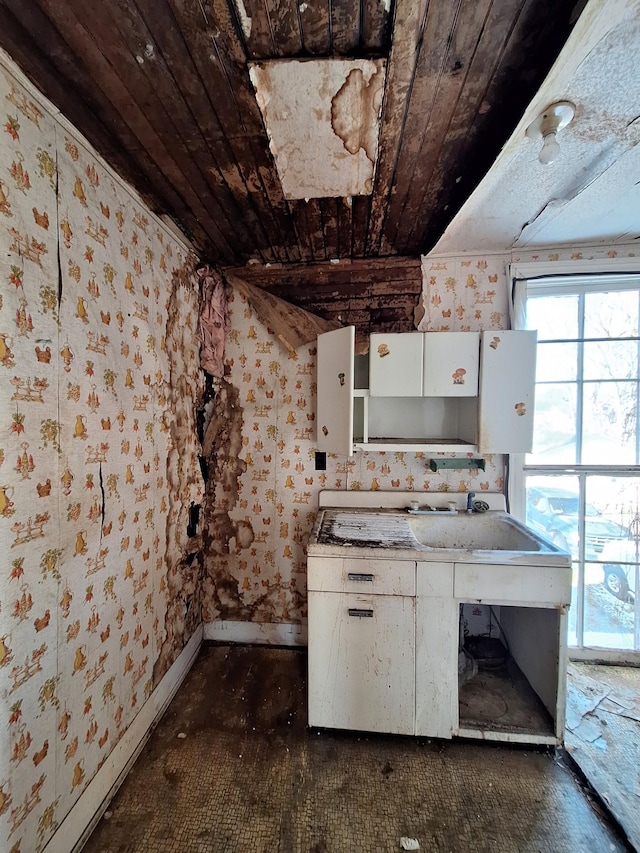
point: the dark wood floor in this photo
(232, 766)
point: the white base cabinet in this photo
(362, 662)
(384, 639)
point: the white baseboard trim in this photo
(76, 827)
(260, 633)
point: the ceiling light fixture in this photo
(546, 127)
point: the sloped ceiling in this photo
(162, 88)
(591, 193)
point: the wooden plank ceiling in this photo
(161, 88)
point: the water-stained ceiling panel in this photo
(323, 120)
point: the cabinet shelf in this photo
(502, 701)
(416, 445)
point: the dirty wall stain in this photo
(183, 391)
(258, 445)
(355, 111)
(222, 535)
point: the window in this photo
(581, 482)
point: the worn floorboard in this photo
(232, 767)
(603, 736)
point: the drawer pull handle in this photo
(357, 611)
(359, 576)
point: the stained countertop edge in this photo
(422, 553)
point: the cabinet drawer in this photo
(368, 577)
(525, 584)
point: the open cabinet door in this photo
(334, 416)
(507, 386)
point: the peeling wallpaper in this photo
(99, 382)
(262, 495)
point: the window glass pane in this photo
(608, 621)
(609, 418)
(604, 375)
(553, 316)
(611, 525)
(552, 510)
(610, 360)
(557, 362)
(554, 441)
(614, 498)
(610, 584)
(611, 315)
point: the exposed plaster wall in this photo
(99, 381)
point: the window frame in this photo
(556, 278)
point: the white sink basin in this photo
(476, 532)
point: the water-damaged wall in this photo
(262, 497)
(262, 494)
(99, 382)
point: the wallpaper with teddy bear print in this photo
(98, 312)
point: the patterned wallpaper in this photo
(264, 493)
(464, 294)
(471, 293)
(264, 497)
(97, 318)
(583, 253)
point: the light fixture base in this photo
(551, 120)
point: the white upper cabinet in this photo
(445, 410)
(395, 364)
(334, 415)
(507, 383)
(451, 361)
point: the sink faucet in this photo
(470, 498)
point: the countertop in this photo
(372, 533)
